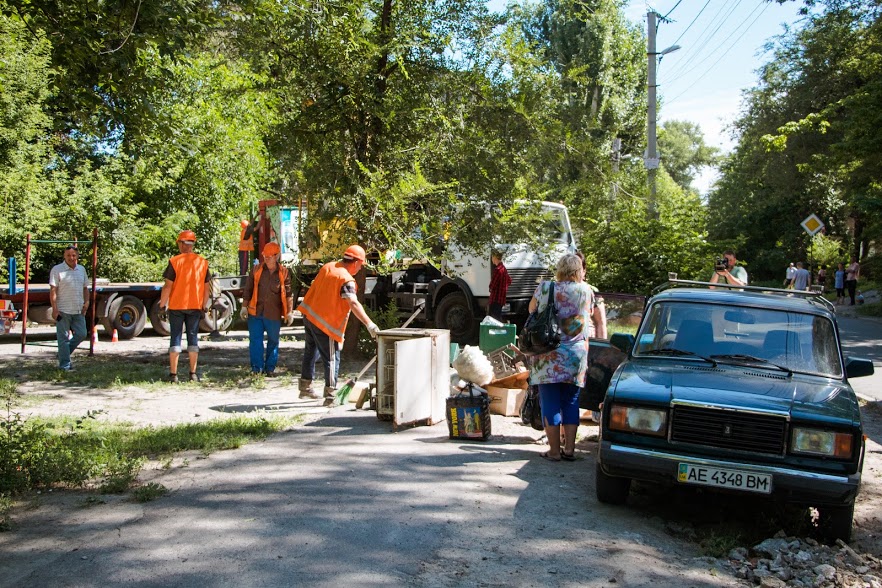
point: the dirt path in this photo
(341, 498)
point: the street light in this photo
(651, 161)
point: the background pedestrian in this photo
(69, 297)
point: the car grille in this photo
(729, 429)
(525, 280)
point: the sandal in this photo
(568, 456)
(548, 457)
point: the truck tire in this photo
(159, 320)
(453, 313)
(225, 309)
(127, 315)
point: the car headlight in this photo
(648, 421)
(818, 442)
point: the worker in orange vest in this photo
(325, 309)
(246, 246)
(266, 301)
(186, 295)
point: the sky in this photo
(721, 48)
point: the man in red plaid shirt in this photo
(499, 283)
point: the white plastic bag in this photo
(473, 366)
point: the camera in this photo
(721, 264)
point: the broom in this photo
(343, 393)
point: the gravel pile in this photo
(803, 563)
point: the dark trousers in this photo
(852, 288)
(495, 310)
(318, 344)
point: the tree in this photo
(684, 152)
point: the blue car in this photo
(742, 390)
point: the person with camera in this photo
(727, 269)
(69, 297)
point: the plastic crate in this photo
(493, 337)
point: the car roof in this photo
(783, 302)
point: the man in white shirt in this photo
(69, 297)
(789, 275)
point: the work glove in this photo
(243, 313)
(289, 319)
(373, 329)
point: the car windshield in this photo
(758, 337)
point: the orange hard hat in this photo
(354, 252)
(271, 249)
(187, 235)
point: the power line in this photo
(691, 23)
(708, 70)
(665, 17)
(712, 52)
(705, 38)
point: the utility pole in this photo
(650, 162)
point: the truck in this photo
(453, 296)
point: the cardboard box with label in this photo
(505, 401)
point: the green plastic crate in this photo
(492, 338)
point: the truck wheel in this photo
(225, 310)
(453, 313)
(159, 324)
(127, 315)
(610, 489)
(835, 522)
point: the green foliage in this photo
(149, 491)
(684, 152)
(809, 142)
(73, 452)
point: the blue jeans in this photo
(76, 323)
(318, 344)
(257, 326)
(560, 404)
(177, 319)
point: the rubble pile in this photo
(804, 563)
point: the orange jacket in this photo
(323, 305)
(245, 244)
(188, 289)
(283, 275)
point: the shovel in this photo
(343, 393)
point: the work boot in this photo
(330, 395)
(306, 390)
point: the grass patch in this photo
(149, 492)
(874, 309)
(75, 452)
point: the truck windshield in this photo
(797, 342)
(556, 228)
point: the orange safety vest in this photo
(323, 305)
(245, 244)
(188, 289)
(283, 275)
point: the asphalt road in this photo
(862, 337)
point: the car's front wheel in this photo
(611, 489)
(835, 522)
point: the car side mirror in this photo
(625, 342)
(856, 367)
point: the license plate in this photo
(688, 473)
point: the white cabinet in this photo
(413, 375)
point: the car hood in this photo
(808, 397)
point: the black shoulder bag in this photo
(541, 333)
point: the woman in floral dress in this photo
(560, 374)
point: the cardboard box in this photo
(505, 401)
